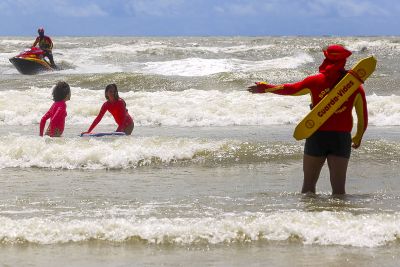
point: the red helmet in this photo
(40, 31)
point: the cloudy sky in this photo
(200, 17)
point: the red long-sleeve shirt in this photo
(118, 111)
(56, 114)
(342, 120)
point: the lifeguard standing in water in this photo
(332, 142)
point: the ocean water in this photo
(211, 175)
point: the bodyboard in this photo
(103, 134)
(335, 98)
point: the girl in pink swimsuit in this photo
(57, 112)
(117, 107)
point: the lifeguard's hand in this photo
(255, 89)
(259, 88)
(355, 144)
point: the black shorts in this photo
(322, 144)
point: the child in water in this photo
(57, 112)
(117, 107)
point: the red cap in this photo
(336, 52)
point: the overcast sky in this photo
(200, 17)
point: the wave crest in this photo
(318, 228)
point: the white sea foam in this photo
(106, 153)
(384, 110)
(203, 67)
(227, 49)
(360, 45)
(188, 108)
(32, 151)
(87, 63)
(318, 228)
(160, 48)
(14, 42)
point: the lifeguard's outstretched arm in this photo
(298, 88)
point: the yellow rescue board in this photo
(335, 98)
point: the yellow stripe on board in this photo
(335, 98)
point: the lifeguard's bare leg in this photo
(337, 170)
(312, 168)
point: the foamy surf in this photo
(204, 67)
(311, 228)
(189, 108)
(129, 152)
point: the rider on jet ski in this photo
(46, 45)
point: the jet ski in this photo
(31, 61)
